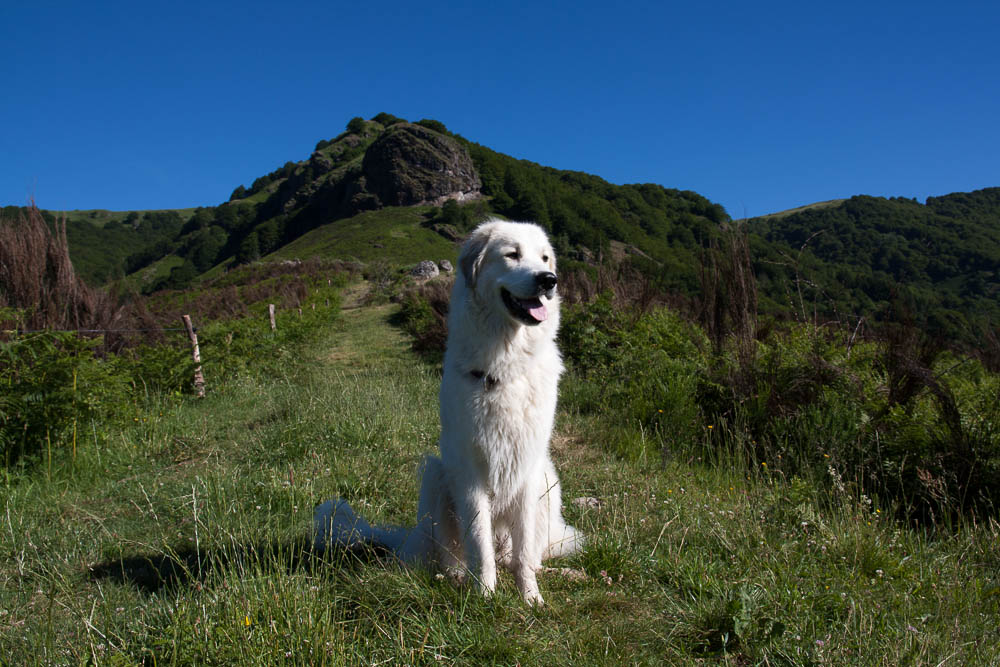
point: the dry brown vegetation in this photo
(40, 290)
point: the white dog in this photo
(493, 493)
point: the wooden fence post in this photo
(270, 312)
(199, 379)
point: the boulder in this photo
(411, 164)
(446, 266)
(425, 270)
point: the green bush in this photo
(872, 417)
(51, 384)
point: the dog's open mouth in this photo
(529, 310)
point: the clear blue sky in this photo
(760, 106)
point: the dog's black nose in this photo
(546, 280)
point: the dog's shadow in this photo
(173, 568)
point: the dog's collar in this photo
(489, 382)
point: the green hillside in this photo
(940, 260)
(389, 190)
(397, 234)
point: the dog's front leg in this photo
(473, 509)
(527, 556)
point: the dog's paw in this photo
(527, 584)
(533, 599)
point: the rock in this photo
(587, 502)
(410, 164)
(446, 266)
(425, 270)
(321, 163)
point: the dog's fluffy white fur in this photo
(493, 494)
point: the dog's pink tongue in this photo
(536, 309)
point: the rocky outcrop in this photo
(410, 164)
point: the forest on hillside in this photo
(939, 260)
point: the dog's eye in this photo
(513, 254)
(545, 258)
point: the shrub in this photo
(51, 384)
(424, 315)
(886, 419)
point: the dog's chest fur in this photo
(513, 444)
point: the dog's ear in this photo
(471, 256)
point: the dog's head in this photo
(511, 262)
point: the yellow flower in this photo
(246, 621)
(709, 427)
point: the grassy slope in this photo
(150, 274)
(399, 232)
(180, 540)
(799, 209)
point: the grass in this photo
(182, 539)
(395, 232)
(153, 272)
(799, 209)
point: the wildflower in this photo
(764, 463)
(709, 427)
(660, 411)
(246, 620)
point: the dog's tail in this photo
(336, 524)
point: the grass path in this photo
(182, 538)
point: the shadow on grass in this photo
(155, 572)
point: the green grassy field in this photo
(183, 538)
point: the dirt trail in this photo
(367, 338)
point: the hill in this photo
(382, 164)
(390, 190)
(940, 260)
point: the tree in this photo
(268, 236)
(451, 213)
(356, 125)
(249, 250)
(432, 124)
(239, 193)
(387, 119)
